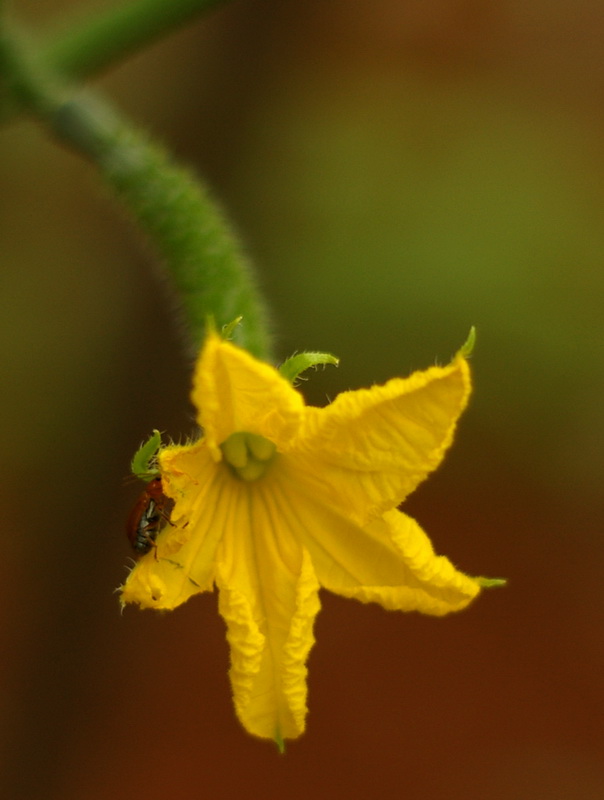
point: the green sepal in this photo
(229, 329)
(278, 739)
(294, 366)
(491, 583)
(143, 463)
(468, 346)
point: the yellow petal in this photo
(233, 392)
(269, 599)
(161, 584)
(370, 448)
(183, 562)
(389, 561)
(432, 584)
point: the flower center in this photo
(248, 454)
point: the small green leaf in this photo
(229, 329)
(491, 583)
(294, 366)
(279, 742)
(468, 346)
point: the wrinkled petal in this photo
(158, 584)
(320, 511)
(432, 584)
(269, 599)
(183, 562)
(389, 561)
(370, 448)
(233, 392)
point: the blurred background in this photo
(399, 170)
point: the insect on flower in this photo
(152, 507)
(145, 520)
(278, 499)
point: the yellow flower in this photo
(279, 498)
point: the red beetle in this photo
(145, 519)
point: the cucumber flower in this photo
(278, 499)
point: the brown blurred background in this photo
(399, 170)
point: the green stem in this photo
(90, 46)
(201, 254)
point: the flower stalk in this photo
(91, 45)
(208, 270)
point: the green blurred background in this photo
(399, 171)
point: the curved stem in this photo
(200, 252)
(90, 46)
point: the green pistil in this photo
(248, 454)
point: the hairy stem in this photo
(201, 254)
(92, 45)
